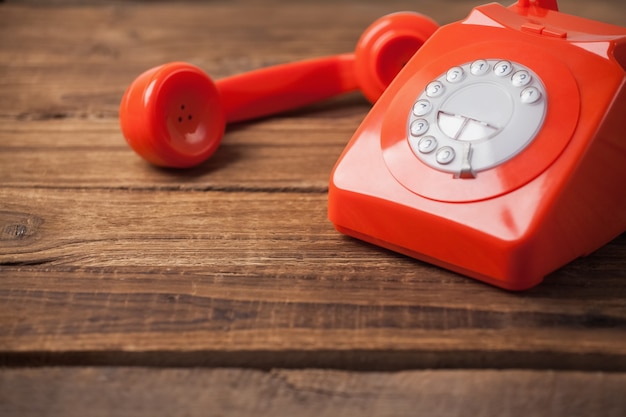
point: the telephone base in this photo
(503, 158)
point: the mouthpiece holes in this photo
(181, 118)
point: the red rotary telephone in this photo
(495, 147)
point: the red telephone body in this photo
(499, 151)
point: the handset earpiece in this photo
(386, 46)
(174, 115)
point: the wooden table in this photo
(224, 289)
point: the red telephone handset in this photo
(174, 115)
(497, 151)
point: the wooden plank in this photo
(274, 154)
(263, 279)
(234, 392)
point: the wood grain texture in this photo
(281, 393)
(105, 260)
(121, 272)
(126, 289)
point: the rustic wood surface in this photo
(308, 393)
(126, 289)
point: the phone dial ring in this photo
(498, 156)
(476, 116)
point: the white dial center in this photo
(476, 112)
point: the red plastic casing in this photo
(559, 199)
